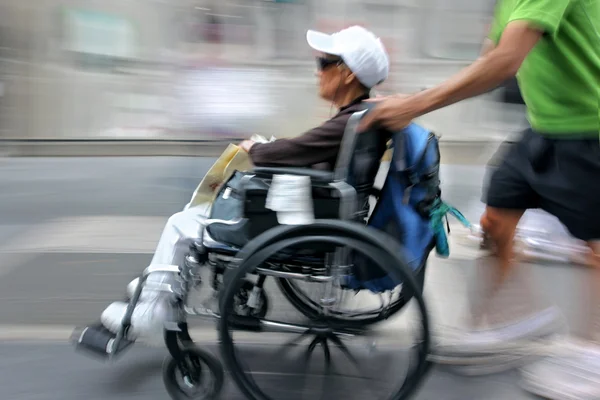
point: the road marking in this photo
(204, 334)
(386, 338)
(10, 261)
(63, 333)
(136, 235)
(203, 337)
(101, 234)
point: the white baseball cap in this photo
(360, 50)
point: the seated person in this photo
(351, 62)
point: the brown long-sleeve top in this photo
(317, 148)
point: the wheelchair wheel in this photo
(330, 335)
(201, 377)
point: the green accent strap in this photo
(440, 210)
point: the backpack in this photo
(409, 208)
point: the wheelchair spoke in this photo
(328, 383)
(327, 355)
(311, 347)
(296, 341)
(344, 349)
(292, 343)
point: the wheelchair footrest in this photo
(98, 341)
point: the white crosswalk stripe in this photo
(102, 234)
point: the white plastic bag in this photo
(147, 320)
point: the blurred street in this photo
(209, 70)
(211, 102)
(75, 231)
(136, 98)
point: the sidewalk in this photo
(182, 102)
(471, 152)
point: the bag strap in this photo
(410, 174)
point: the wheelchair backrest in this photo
(359, 159)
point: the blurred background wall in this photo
(219, 69)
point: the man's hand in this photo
(246, 145)
(393, 113)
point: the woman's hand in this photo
(246, 145)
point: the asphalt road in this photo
(74, 231)
(54, 371)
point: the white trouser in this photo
(179, 232)
(153, 307)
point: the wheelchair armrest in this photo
(315, 175)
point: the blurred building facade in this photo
(206, 69)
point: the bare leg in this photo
(499, 226)
(594, 295)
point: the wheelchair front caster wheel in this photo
(198, 375)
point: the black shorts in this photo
(560, 176)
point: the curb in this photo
(451, 149)
(120, 148)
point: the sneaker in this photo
(571, 376)
(147, 320)
(131, 289)
(497, 350)
(542, 325)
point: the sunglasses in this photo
(323, 62)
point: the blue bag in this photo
(409, 207)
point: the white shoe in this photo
(493, 340)
(147, 320)
(131, 289)
(496, 350)
(575, 376)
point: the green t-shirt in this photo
(560, 78)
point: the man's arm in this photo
(529, 20)
(489, 71)
(486, 73)
(487, 47)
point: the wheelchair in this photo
(244, 252)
